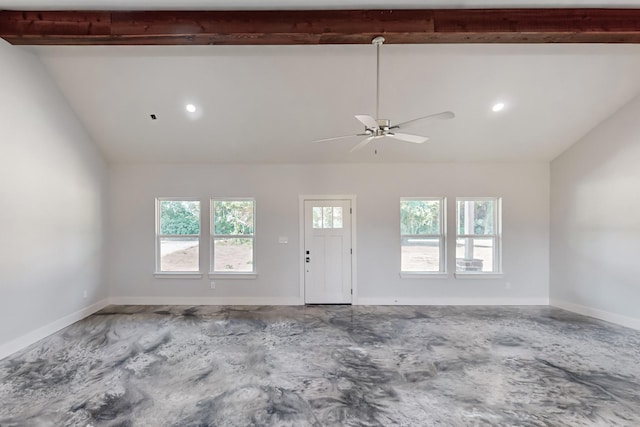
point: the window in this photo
(327, 217)
(232, 236)
(177, 235)
(422, 235)
(478, 235)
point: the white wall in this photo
(52, 203)
(595, 221)
(276, 188)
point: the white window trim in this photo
(234, 276)
(478, 275)
(496, 236)
(212, 236)
(425, 275)
(176, 274)
(442, 272)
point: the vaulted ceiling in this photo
(267, 103)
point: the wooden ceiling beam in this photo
(320, 27)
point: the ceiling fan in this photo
(379, 128)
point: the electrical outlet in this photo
(85, 294)
(507, 285)
(213, 284)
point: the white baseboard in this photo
(204, 301)
(607, 316)
(29, 338)
(452, 301)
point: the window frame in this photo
(159, 273)
(442, 237)
(496, 236)
(212, 237)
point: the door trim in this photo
(354, 274)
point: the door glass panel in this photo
(327, 217)
(337, 217)
(317, 217)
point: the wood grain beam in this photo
(321, 27)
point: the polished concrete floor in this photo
(326, 366)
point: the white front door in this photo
(327, 251)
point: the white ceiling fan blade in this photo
(368, 121)
(361, 144)
(442, 116)
(407, 137)
(338, 137)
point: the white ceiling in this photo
(266, 103)
(298, 4)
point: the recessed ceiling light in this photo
(498, 107)
(191, 108)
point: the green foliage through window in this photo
(233, 217)
(179, 217)
(420, 217)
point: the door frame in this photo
(301, 259)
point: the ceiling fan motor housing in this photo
(383, 123)
(383, 127)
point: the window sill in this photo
(233, 276)
(176, 275)
(424, 275)
(479, 275)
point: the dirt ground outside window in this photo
(230, 258)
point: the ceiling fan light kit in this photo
(379, 128)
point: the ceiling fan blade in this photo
(361, 144)
(338, 137)
(368, 121)
(407, 137)
(443, 115)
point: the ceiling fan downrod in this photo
(378, 41)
